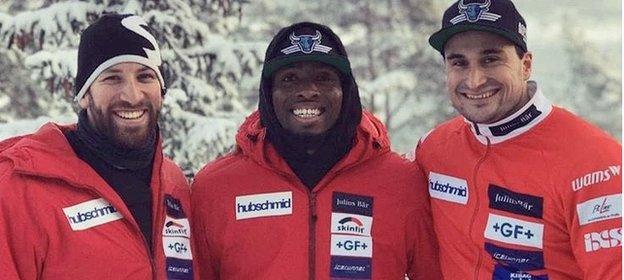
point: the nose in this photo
(131, 92)
(308, 90)
(476, 77)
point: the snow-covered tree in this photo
(594, 91)
(203, 66)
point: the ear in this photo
(84, 102)
(527, 65)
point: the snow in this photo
(214, 58)
(26, 126)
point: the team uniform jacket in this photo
(60, 220)
(534, 196)
(254, 219)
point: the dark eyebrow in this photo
(453, 56)
(492, 51)
(111, 71)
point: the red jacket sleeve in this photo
(206, 259)
(423, 261)
(592, 202)
(20, 244)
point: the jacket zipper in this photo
(136, 228)
(87, 188)
(312, 236)
(474, 215)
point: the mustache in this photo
(121, 104)
(488, 85)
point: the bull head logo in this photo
(473, 11)
(306, 42)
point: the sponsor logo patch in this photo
(352, 203)
(600, 209)
(263, 205)
(177, 247)
(351, 224)
(518, 203)
(521, 120)
(514, 231)
(173, 207)
(176, 228)
(596, 177)
(473, 12)
(605, 239)
(520, 260)
(448, 188)
(306, 44)
(179, 269)
(350, 268)
(91, 213)
(506, 273)
(351, 246)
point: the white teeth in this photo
(130, 114)
(307, 113)
(480, 96)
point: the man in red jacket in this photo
(312, 190)
(98, 200)
(520, 189)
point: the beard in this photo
(106, 124)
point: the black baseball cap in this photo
(496, 16)
(305, 41)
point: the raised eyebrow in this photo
(453, 56)
(492, 51)
(111, 70)
(145, 68)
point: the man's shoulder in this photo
(173, 171)
(571, 132)
(441, 134)
(221, 169)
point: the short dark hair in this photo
(519, 51)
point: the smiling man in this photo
(312, 190)
(98, 199)
(520, 189)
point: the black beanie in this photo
(114, 39)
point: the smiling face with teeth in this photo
(307, 97)
(486, 79)
(123, 104)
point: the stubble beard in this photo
(124, 137)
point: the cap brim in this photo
(439, 39)
(339, 62)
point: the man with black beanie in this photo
(98, 199)
(312, 190)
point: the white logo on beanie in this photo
(134, 23)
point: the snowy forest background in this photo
(213, 51)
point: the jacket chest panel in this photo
(509, 212)
(87, 231)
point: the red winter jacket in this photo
(60, 220)
(534, 196)
(254, 219)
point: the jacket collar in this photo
(531, 114)
(371, 140)
(46, 153)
